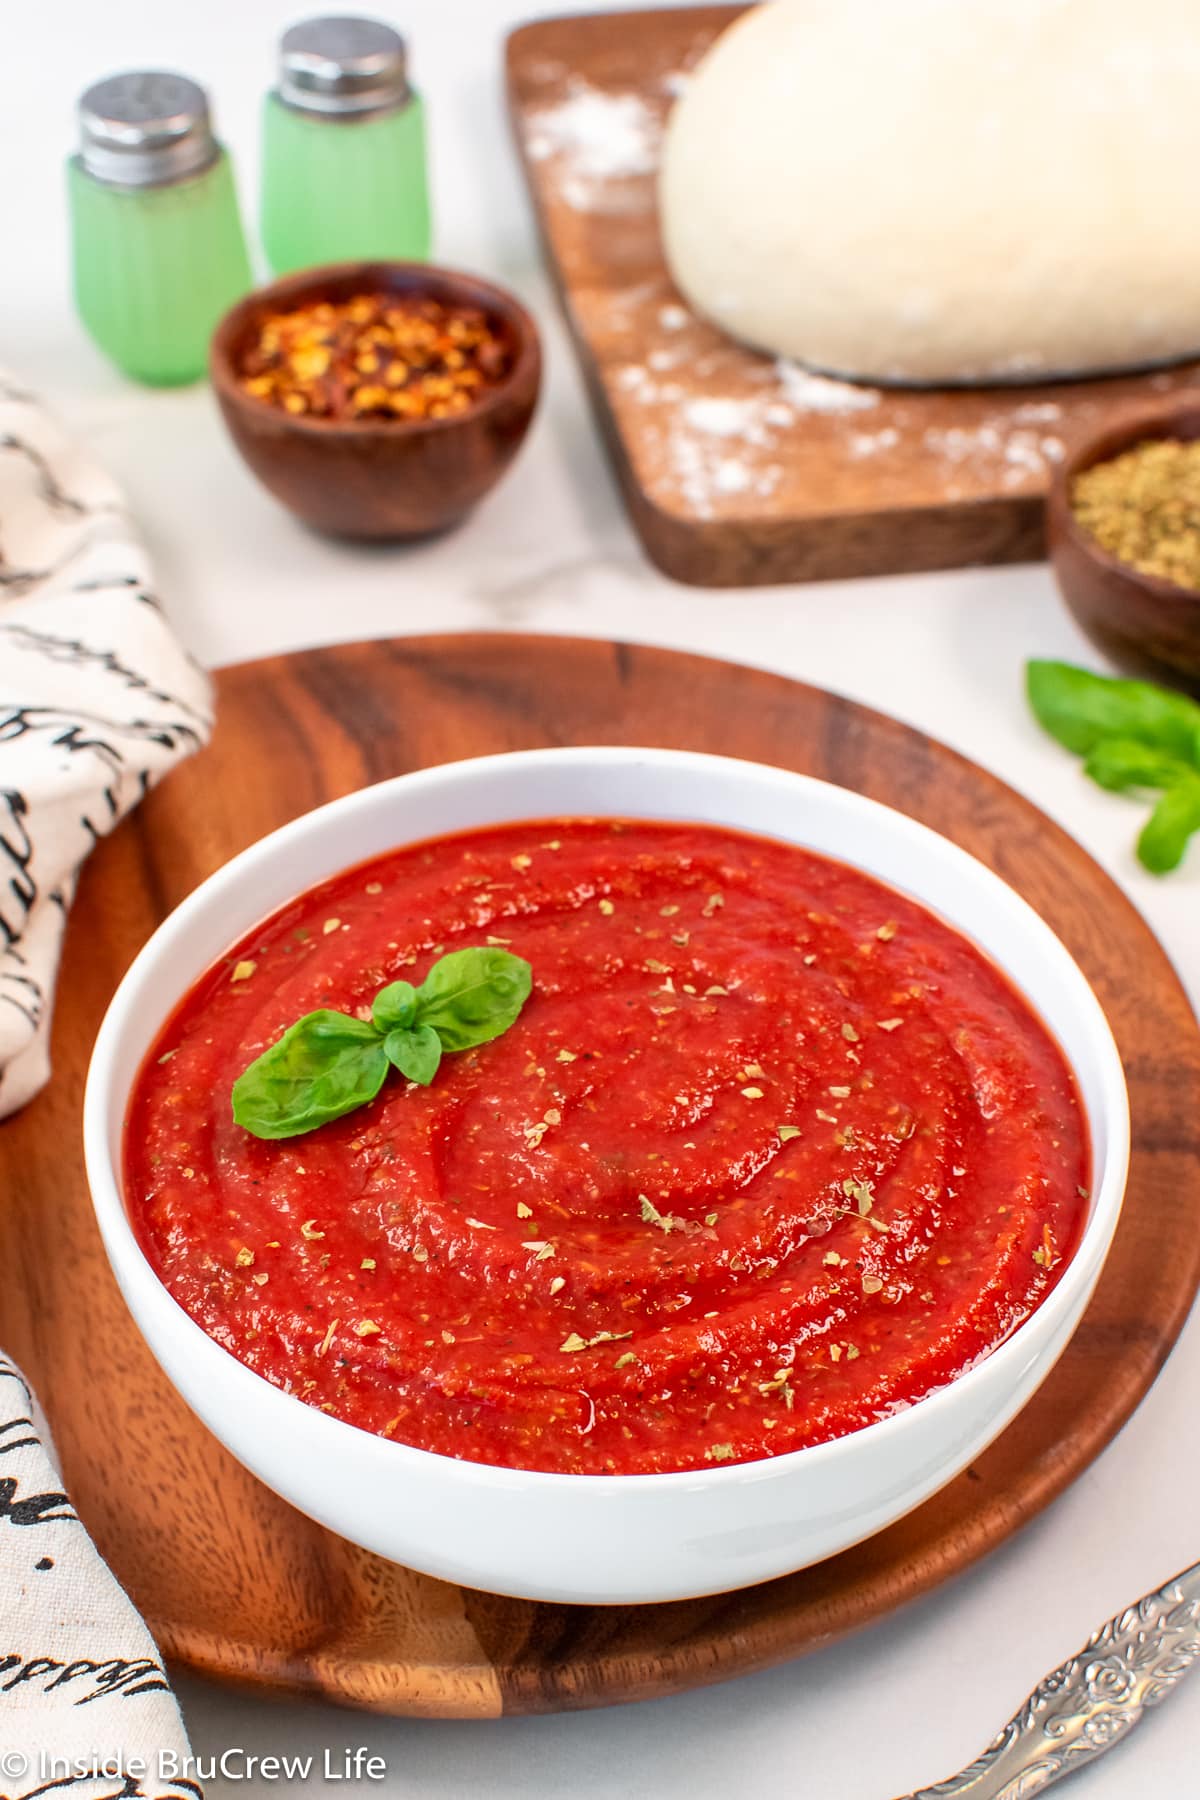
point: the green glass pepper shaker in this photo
(343, 149)
(157, 241)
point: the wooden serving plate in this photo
(832, 479)
(231, 1579)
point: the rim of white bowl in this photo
(102, 1155)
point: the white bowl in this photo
(597, 1538)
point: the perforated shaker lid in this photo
(342, 65)
(145, 127)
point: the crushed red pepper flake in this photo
(375, 356)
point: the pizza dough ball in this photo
(944, 190)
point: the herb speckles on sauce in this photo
(769, 1153)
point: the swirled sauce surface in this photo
(770, 1153)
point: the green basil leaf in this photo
(1080, 709)
(1166, 832)
(471, 996)
(329, 1063)
(416, 1052)
(1120, 764)
(324, 1065)
(394, 1007)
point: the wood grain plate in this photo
(232, 1580)
(818, 481)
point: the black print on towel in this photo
(8, 1442)
(75, 654)
(18, 1432)
(111, 1787)
(17, 580)
(87, 1679)
(18, 1507)
(18, 889)
(31, 1509)
(49, 487)
(116, 750)
(10, 1372)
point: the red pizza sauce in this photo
(770, 1153)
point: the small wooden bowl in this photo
(367, 478)
(1147, 625)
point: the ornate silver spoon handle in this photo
(1091, 1701)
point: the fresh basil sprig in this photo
(1135, 738)
(329, 1063)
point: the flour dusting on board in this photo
(598, 139)
(820, 393)
(995, 444)
(714, 447)
(715, 450)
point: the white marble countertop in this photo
(911, 1699)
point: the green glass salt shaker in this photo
(343, 149)
(157, 239)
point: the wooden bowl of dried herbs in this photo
(1123, 535)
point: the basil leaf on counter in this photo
(328, 1063)
(324, 1065)
(1122, 766)
(1134, 738)
(416, 1052)
(1080, 709)
(1166, 832)
(471, 996)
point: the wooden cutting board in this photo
(738, 470)
(231, 1579)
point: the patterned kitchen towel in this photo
(97, 701)
(86, 1710)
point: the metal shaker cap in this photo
(342, 65)
(144, 128)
